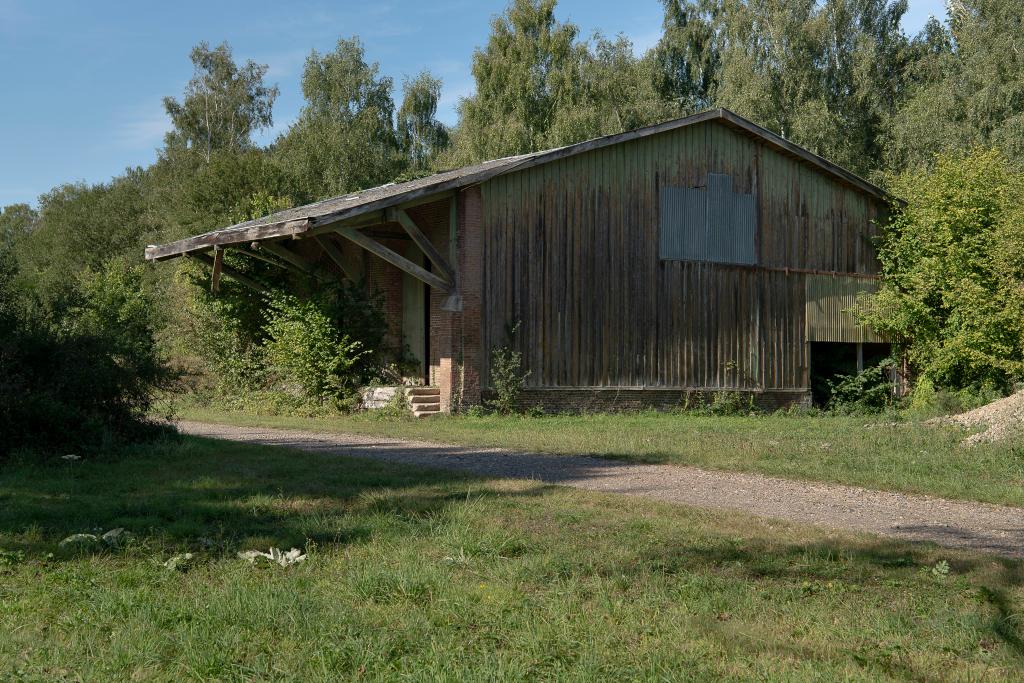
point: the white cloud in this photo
(451, 94)
(141, 126)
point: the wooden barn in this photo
(694, 256)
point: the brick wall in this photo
(470, 209)
(386, 280)
(455, 334)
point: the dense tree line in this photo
(836, 76)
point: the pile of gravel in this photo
(1003, 419)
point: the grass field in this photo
(863, 451)
(433, 576)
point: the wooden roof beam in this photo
(285, 254)
(226, 237)
(346, 261)
(422, 241)
(291, 258)
(266, 258)
(395, 259)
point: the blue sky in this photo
(83, 81)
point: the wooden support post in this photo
(242, 279)
(218, 266)
(395, 259)
(349, 265)
(409, 225)
(454, 301)
(860, 357)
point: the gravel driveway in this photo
(960, 524)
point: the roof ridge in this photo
(332, 209)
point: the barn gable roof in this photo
(299, 220)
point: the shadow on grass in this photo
(937, 524)
(222, 497)
(186, 493)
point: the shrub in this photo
(926, 399)
(235, 359)
(304, 346)
(82, 376)
(396, 409)
(722, 403)
(868, 391)
(507, 376)
(351, 307)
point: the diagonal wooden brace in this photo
(409, 225)
(395, 259)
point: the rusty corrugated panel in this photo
(711, 223)
(831, 305)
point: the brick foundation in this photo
(571, 400)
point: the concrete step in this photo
(424, 401)
(422, 391)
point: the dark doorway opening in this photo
(829, 360)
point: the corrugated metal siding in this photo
(711, 223)
(571, 250)
(831, 309)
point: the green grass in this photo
(862, 451)
(434, 576)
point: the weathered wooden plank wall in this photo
(570, 250)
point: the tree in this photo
(16, 221)
(614, 92)
(952, 294)
(825, 76)
(421, 136)
(529, 69)
(84, 378)
(929, 118)
(223, 104)
(344, 139)
(80, 227)
(687, 58)
(968, 87)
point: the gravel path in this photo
(960, 524)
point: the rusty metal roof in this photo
(298, 220)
